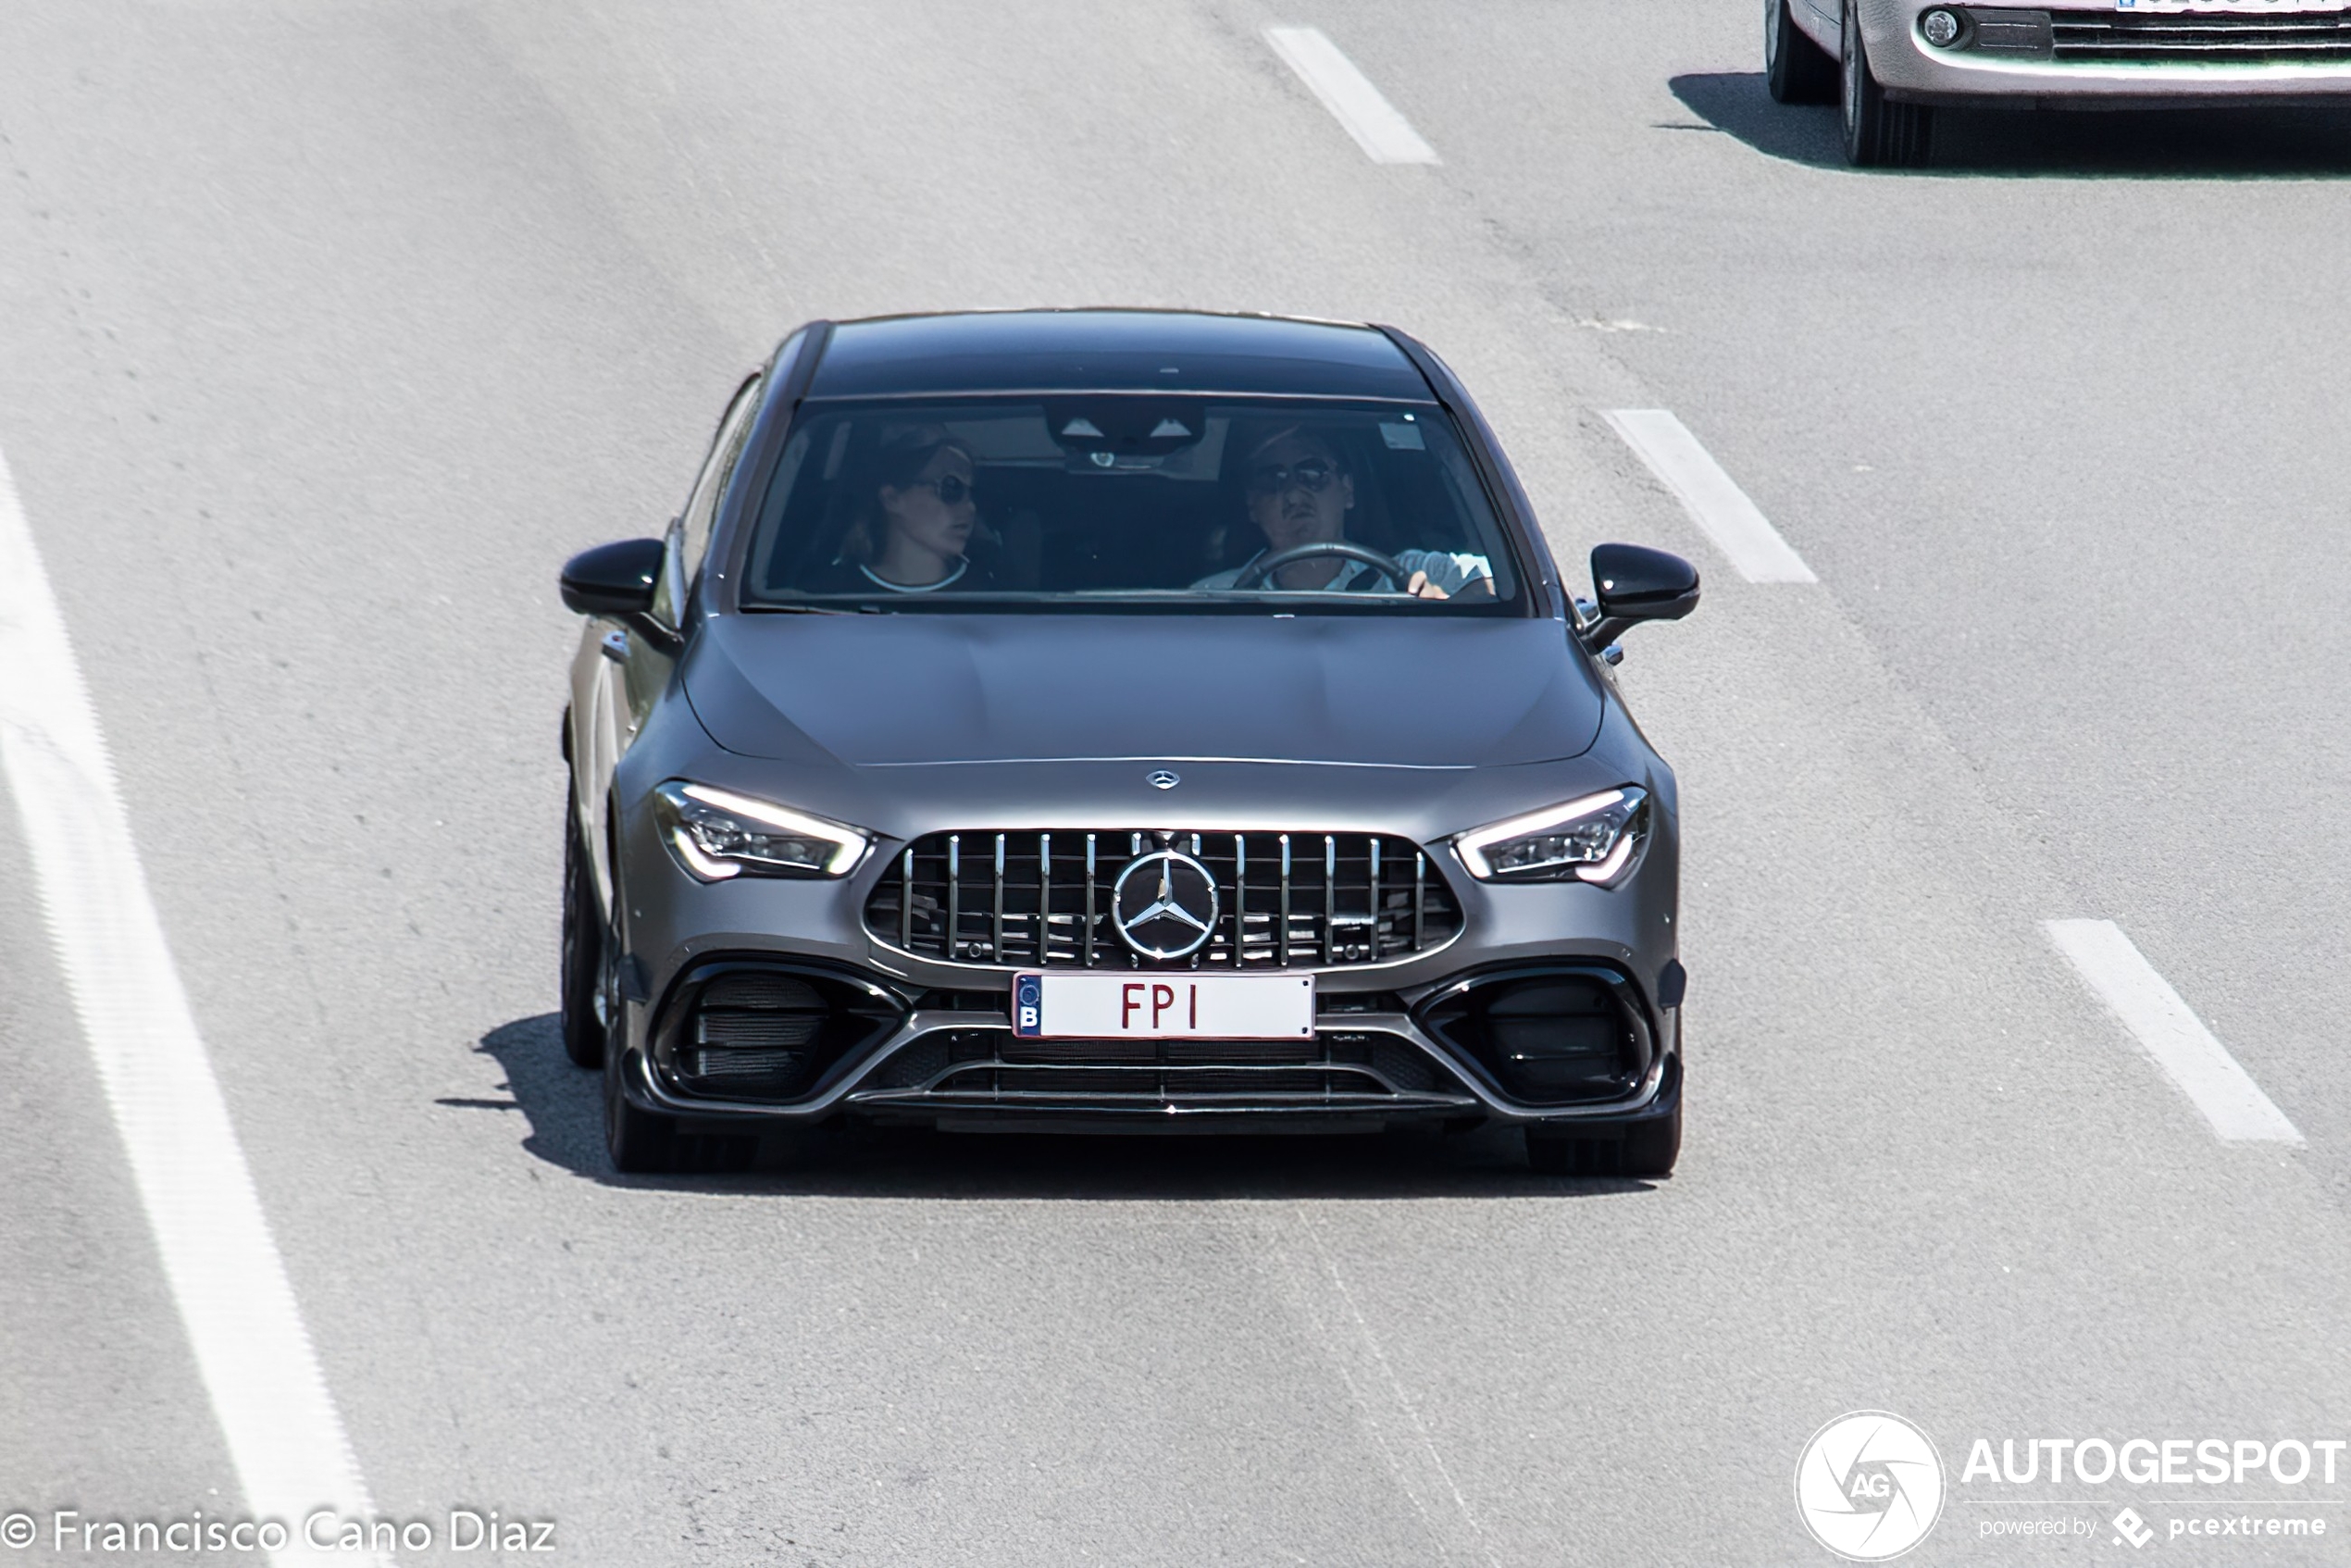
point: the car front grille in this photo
(1043, 899)
(993, 1068)
(2217, 37)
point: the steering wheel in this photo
(1264, 566)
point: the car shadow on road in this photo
(563, 1106)
(2241, 144)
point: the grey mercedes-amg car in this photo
(1097, 720)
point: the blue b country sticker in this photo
(1029, 1004)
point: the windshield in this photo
(1109, 501)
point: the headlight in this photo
(717, 834)
(1592, 840)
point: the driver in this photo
(1298, 492)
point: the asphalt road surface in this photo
(327, 329)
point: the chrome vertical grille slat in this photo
(1285, 931)
(1348, 906)
(1419, 901)
(1044, 897)
(1330, 898)
(996, 927)
(906, 897)
(954, 895)
(1240, 899)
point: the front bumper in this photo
(1375, 1062)
(2108, 56)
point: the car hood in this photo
(932, 688)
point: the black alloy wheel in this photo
(641, 1143)
(1879, 132)
(1646, 1149)
(1795, 70)
(582, 956)
(646, 1142)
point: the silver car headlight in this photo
(717, 834)
(1591, 839)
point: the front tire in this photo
(1879, 132)
(1795, 70)
(644, 1143)
(582, 957)
(641, 1143)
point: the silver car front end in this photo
(2079, 56)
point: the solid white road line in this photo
(1712, 500)
(2180, 1043)
(283, 1436)
(1382, 133)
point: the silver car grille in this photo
(1042, 900)
(2217, 37)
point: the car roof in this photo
(1161, 351)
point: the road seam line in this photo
(1309, 1276)
(1377, 125)
(291, 1455)
(1711, 497)
(2157, 1017)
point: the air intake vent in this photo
(746, 1031)
(1549, 1037)
(993, 1068)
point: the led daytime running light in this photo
(717, 834)
(1611, 825)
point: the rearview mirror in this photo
(614, 580)
(1633, 583)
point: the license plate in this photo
(1181, 1006)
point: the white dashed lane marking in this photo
(1383, 134)
(2178, 1040)
(1712, 499)
(256, 1360)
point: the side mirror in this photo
(1633, 584)
(616, 580)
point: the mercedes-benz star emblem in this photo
(1165, 904)
(1162, 779)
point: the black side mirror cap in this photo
(1635, 583)
(614, 580)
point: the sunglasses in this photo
(954, 488)
(1313, 475)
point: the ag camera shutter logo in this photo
(1869, 1486)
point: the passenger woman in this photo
(915, 512)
